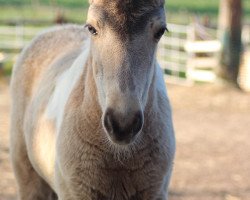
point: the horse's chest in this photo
(97, 174)
(106, 184)
(104, 181)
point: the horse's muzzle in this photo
(121, 128)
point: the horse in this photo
(90, 114)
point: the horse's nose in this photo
(122, 128)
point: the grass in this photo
(42, 13)
(179, 11)
(64, 3)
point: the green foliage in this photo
(193, 6)
(7, 68)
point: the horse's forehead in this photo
(128, 16)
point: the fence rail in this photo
(177, 50)
(16, 37)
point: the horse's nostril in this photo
(122, 127)
(108, 121)
(138, 122)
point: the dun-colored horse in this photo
(90, 115)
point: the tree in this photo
(230, 27)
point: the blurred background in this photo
(206, 61)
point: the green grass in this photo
(64, 3)
(179, 11)
(40, 14)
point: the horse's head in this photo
(124, 38)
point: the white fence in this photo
(177, 52)
(246, 36)
(172, 55)
(15, 37)
(189, 53)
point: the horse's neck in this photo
(90, 101)
(152, 92)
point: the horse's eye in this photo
(91, 29)
(160, 33)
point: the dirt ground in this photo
(212, 124)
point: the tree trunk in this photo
(230, 34)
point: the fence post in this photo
(19, 35)
(191, 55)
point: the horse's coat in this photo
(90, 115)
(64, 86)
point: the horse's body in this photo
(59, 142)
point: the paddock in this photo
(212, 132)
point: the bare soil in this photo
(212, 124)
